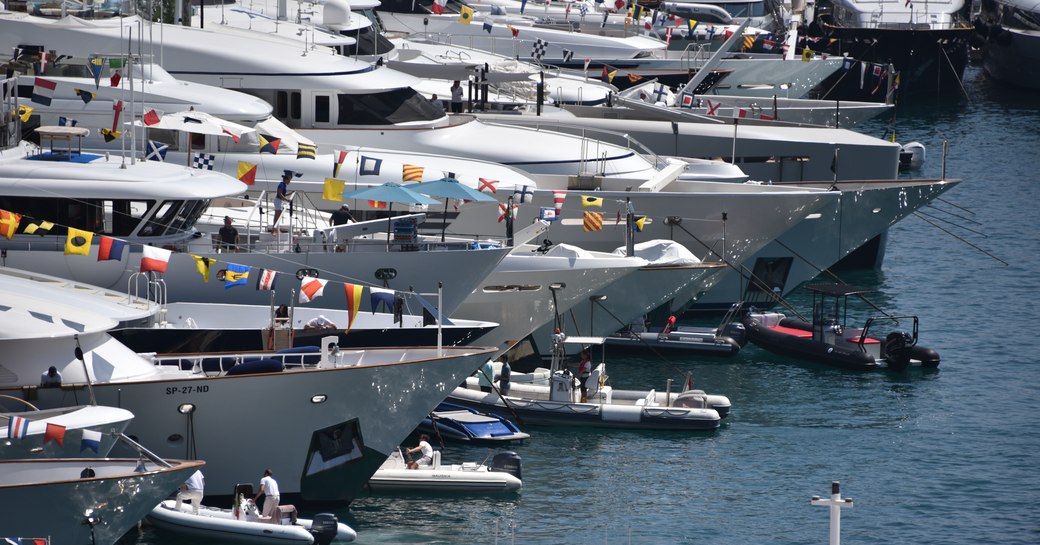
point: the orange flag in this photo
(354, 293)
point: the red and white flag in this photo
(487, 186)
(558, 198)
(311, 288)
(502, 211)
(154, 259)
(266, 280)
(438, 6)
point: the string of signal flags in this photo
(78, 242)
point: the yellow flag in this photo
(807, 54)
(610, 76)
(640, 222)
(41, 228)
(333, 190)
(202, 266)
(78, 242)
(24, 112)
(588, 202)
(466, 15)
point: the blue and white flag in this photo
(91, 440)
(236, 275)
(487, 25)
(381, 295)
(524, 195)
(204, 161)
(547, 213)
(156, 151)
(583, 9)
(370, 166)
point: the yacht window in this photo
(281, 105)
(161, 219)
(169, 137)
(294, 105)
(198, 141)
(369, 42)
(123, 216)
(189, 216)
(85, 214)
(387, 108)
(321, 109)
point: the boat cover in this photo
(662, 252)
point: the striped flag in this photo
(338, 160)
(110, 249)
(311, 288)
(354, 293)
(266, 280)
(43, 91)
(17, 427)
(154, 259)
(592, 221)
(92, 440)
(412, 173)
(558, 198)
(306, 151)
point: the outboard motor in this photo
(324, 527)
(898, 345)
(735, 331)
(507, 462)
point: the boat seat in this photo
(436, 463)
(791, 331)
(287, 511)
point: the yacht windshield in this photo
(369, 42)
(387, 108)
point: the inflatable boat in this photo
(452, 422)
(828, 340)
(245, 525)
(503, 475)
(553, 397)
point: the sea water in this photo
(938, 457)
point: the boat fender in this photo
(324, 527)
(898, 345)
(927, 356)
(507, 462)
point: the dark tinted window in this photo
(321, 109)
(397, 106)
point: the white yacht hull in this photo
(630, 298)
(243, 424)
(518, 296)
(79, 424)
(50, 498)
(866, 210)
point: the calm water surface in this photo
(945, 457)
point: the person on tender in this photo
(269, 489)
(192, 491)
(319, 323)
(426, 450)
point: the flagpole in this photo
(440, 305)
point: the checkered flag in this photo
(583, 9)
(203, 161)
(538, 51)
(567, 55)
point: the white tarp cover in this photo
(663, 252)
(566, 250)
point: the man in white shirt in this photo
(269, 488)
(191, 491)
(426, 457)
